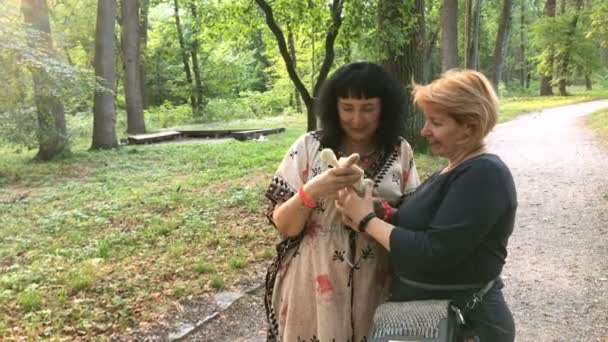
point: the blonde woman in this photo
(450, 238)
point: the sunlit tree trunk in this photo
(546, 80)
(194, 53)
(131, 60)
(51, 132)
(104, 109)
(449, 35)
(502, 41)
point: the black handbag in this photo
(435, 320)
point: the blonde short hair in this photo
(466, 95)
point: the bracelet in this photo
(305, 199)
(387, 210)
(365, 220)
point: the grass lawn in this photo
(598, 121)
(512, 106)
(93, 244)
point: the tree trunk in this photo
(292, 53)
(184, 53)
(104, 110)
(588, 84)
(52, 132)
(131, 60)
(468, 17)
(522, 45)
(473, 24)
(546, 80)
(330, 38)
(565, 58)
(428, 56)
(404, 59)
(449, 35)
(143, 45)
(194, 53)
(502, 42)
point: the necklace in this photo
(474, 153)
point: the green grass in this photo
(92, 244)
(598, 121)
(29, 300)
(510, 107)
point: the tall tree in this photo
(330, 38)
(104, 109)
(472, 33)
(502, 41)
(546, 80)
(143, 44)
(403, 57)
(522, 45)
(564, 57)
(196, 25)
(184, 53)
(449, 35)
(51, 131)
(131, 60)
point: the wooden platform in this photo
(255, 133)
(219, 133)
(238, 134)
(154, 137)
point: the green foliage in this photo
(248, 105)
(30, 300)
(554, 38)
(168, 115)
(599, 22)
(217, 283)
(80, 279)
(23, 50)
(203, 268)
(237, 262)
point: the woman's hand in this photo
(354, 207)
(331, 181)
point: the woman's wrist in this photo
(311, 192)
(306, 198)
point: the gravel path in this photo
(557, 271)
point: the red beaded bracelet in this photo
(305, 199)
(387, 210)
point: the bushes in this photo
(248, 105)
(168, 115)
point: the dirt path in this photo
(557, 271)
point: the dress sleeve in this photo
(291, 174)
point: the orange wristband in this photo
(305, 199)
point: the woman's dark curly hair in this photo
(362, 80)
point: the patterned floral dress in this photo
(325, 284)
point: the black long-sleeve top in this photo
(454, 228)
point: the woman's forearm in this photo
(290, 216)
(380, 231)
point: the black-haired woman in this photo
(326, 281)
